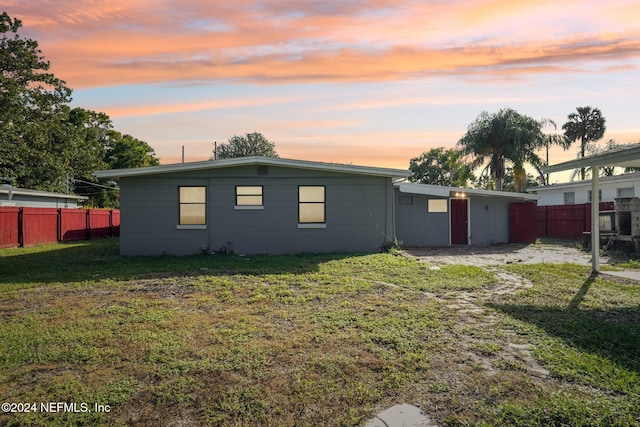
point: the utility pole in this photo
(215, 150)
(183, 154)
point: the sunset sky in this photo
(363, 82)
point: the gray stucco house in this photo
(22, 197)
(432, 215)
(255, 205)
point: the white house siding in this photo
(554, 194)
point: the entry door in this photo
(459, 222)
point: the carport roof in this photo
(444, 191)
(625, 157)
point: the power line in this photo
(96, 185)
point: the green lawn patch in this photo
(313, 339)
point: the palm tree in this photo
(587, 125)
(501, 138)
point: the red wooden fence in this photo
(9, 227)
(39, 226)
(73, 225)
(522, 223)
(34, 226)
(566, 221)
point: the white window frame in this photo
(197, 226)
(572, 195)
(311, 224)
(242, 206)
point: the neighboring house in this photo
(579, 192)
(255, 205)
(21, 197)
(431, 215)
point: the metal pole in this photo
(183, 154)
(595, 220)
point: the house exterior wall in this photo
(550, 196)
(416, 226)
(489, 220)
(359, 215)
(20, 200)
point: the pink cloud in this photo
(95, 43)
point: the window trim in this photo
(202, 226)
(433, 208)
(241, 207)
(619, 191)
(564, 197)
(308, 224)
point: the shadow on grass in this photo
(613, 334)
(100, 259)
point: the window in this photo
(437, 205)
(248, 196)
(311, 204)
(569, 198)
(625, 192)
(405, 199)
(591, 196)
(192, 205)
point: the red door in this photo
(459, 222)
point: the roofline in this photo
(622, 157)
(38, 193)
(587, 183)
(254, 160)
(444, 191)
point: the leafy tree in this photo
(587, 125)
(110, 150)
(251, 144)
(125, 151)
(42, 139)
(440, 166)
(32, 112)
(502, 138)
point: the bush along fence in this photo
(566, 221)
(36, 226)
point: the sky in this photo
(351, 81)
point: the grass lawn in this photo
(308, 340)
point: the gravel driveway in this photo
(562, 252)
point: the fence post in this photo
(88, 219)
(546, 221)
(59, 226)
(20, 230)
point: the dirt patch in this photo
(485, 349)
(483, 256)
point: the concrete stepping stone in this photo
(403, 415)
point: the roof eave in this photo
(248, 161)
(444, 191)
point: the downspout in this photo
(391, 191)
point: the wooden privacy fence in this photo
(35, 226)
(566, 221)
